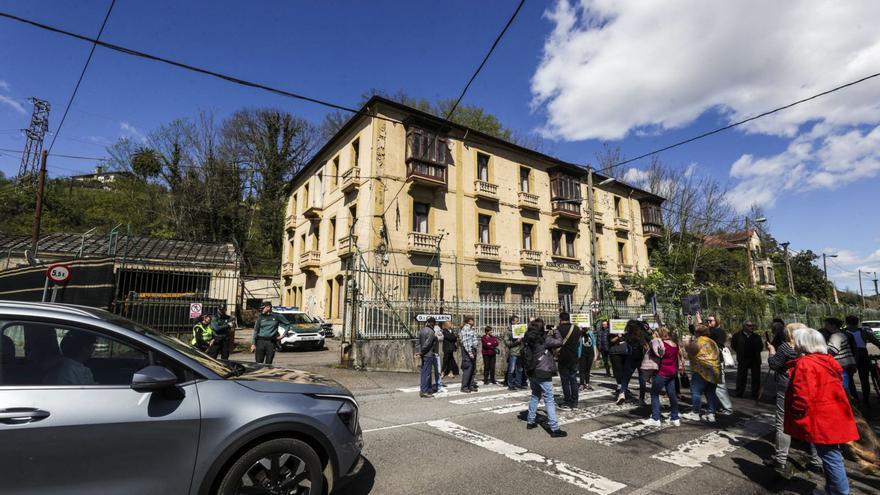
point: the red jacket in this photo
(816, 406)
(489, 344)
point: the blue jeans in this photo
(835, 473)
(660, 383)
(568, 376)
(629, 370)
(699, 386)
(542, 387)
(427, 366)
(514, 372)
(438, 382)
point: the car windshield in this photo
(224, 369)
(299, 318)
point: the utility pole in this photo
(788, 269)
(876, 293)
(38, 211)
(825, 267)
(861, 291)
(591, 208)
(750, 262)
(33, 145)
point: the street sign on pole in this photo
(437, 318)
(195, 310)
(58, 274)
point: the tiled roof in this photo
(728, 241)
(135, 247)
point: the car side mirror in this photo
(153, 378)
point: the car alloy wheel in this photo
(283, 466)
(276, 474)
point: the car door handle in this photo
(17, 415)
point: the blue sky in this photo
(588, 90)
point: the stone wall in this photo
(398, 355)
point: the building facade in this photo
(760, 267)
(461, 214)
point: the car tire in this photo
(297, 465)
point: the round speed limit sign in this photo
(58, 273)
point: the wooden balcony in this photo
(287, 269)
(290, 225)
(566, 208)
(310, 260)
(486, 190)
(313, 212)
(652, 230)
(621, 223)
(487, 252)
(528, 201)
(419, 242)
(347, 246)
(351, 179)
(529, 257)
(426, 173)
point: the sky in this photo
(578, 74)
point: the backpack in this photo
(530, 359)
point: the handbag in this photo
(727, 357)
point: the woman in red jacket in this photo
(816, 406)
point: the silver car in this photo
(93, 403)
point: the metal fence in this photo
(160, 295)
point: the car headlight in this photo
(348, 413)
(291, 333)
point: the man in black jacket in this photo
(449, 346)
(748, 346)
(427, 339)
(568, 360)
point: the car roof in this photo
(55, 309)
(871, 322)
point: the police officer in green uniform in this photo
(221, 323)
(202, 333)
(266, 333)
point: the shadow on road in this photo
(361, 482)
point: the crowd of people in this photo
(813, 371)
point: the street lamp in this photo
(607, 181)
(825, 263)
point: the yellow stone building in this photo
(421, 195)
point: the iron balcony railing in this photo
(310, 259)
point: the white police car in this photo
(304, 332)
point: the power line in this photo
(485, 59)
(81, 75)
(74, 157)
(744, 121)
(181, 65)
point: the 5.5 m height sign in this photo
(58, 274)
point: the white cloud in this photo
(4, 86)
(843, 269)
(130, 131)
(15, 105)
(613, 68)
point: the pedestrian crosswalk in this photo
(599, 422)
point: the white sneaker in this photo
(675, 422)
(620, 399)
(726, 412)
(652, 422)
(710, 418)
(691, 416)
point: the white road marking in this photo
(490, 398)
(718, 443)
(522, 406)
(452, 391)
(391, 427)
(591, 412)
(654, 486)
(624, 432)
(576, 476)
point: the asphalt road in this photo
(478, 443)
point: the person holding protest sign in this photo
(514, 377)
(602, 335)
